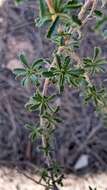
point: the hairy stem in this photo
(50, 5)
(73, 55)
(51, 8)
(84, 9)
(44, 93)
(91, 11)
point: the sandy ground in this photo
(10, 179)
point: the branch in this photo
(72, 54)
(44, 93)
(32, 179)
(51, 8)
(94, 4)
(50, 5)
(84, 9)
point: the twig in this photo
(91, 12)
(32, 179)
(44, 93)
(84, 9)
(51, 9)
(50, 5)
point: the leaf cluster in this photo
(96, 63)
(63, 73)
(29, 73)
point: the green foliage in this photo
(35, 131)
(95, 95)
(95, 64)
(43, 8)
(39, 102)
(74, 4)
(30, 73)
(98, 13)
(52, 27)
(100, 26)
(64, 21)
(60, 10)
(63, 73)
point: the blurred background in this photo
(81, 140)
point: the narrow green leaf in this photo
(58, 120)
(67, 61)
(58, 60)
(87, 60)
(57, 5)
(48, 74)
(24, 60)
(38, 97)
(49, 98)
(38, 62)
(25, 82)
(61, 83)
(98, 13)
(76, 20)
(100, 23)
(101, 61)
(33, 107)
(77, 72)
(33, 79)
(19, 72)
(52, 27)
(43, 8)
(97, 52)
(74, 4)
(42, 20)
(71, 2)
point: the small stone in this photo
(82, 162)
